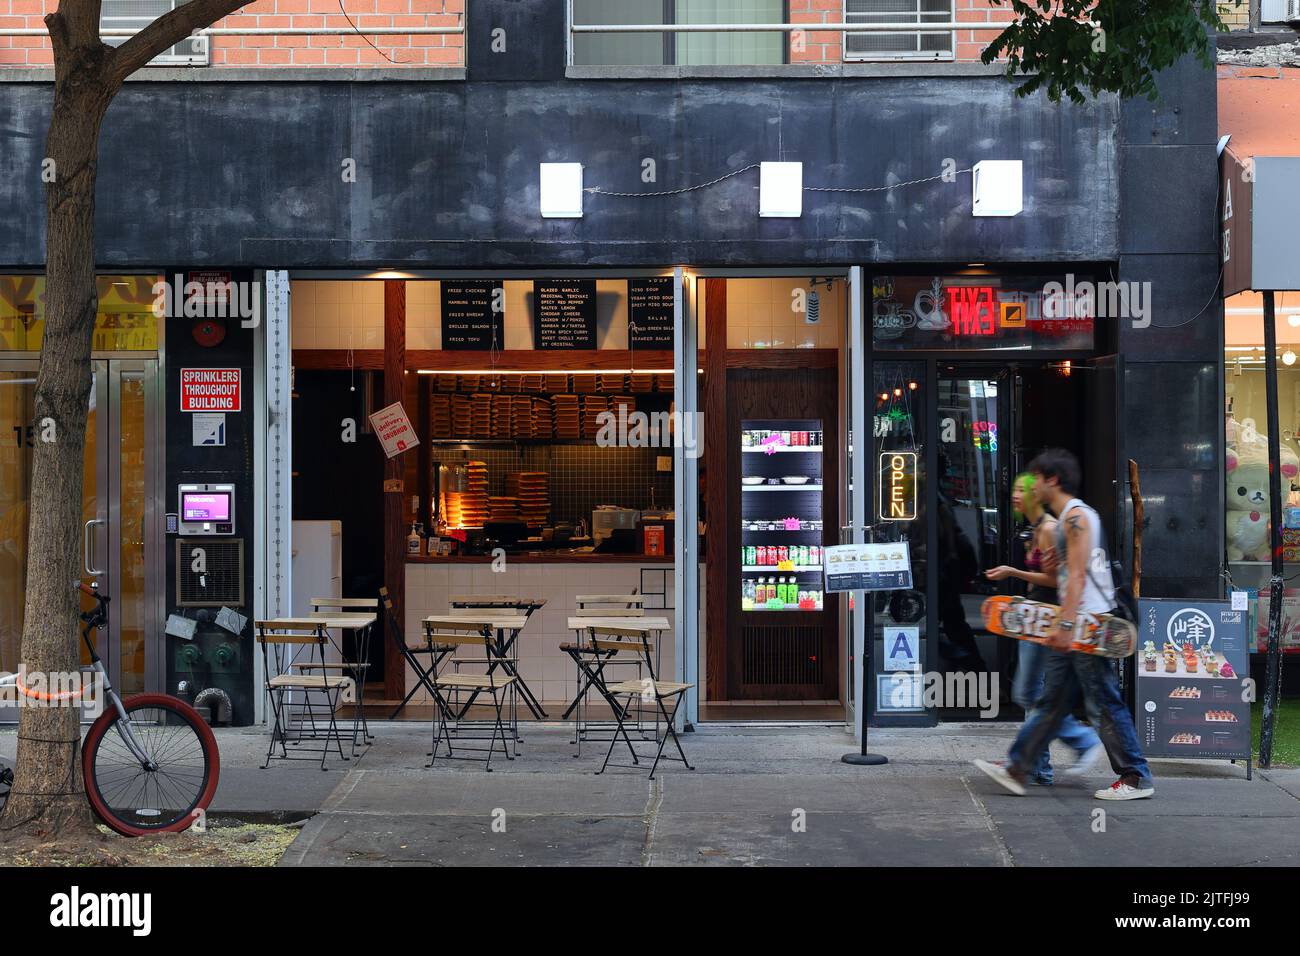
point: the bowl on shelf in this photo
(796, 479)
(752, 480)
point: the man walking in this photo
(1084, 585)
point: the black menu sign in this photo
(469, 319)
(564, 314)
(650, 313)
(1192, 667)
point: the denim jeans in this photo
(1067, 675)
(1026, 691)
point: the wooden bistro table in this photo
(591, 673)
(505, 627)
(470, 606)
(319, 625)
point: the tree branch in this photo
(168, 30)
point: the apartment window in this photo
(137, 14)
(668, 49)
(903, 45)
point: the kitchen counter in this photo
(560, 578)
(545, 557)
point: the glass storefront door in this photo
(120, 535)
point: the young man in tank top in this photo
(1084, 585)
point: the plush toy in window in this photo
(1248, 497)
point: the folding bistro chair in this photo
(590, 663)
(449, 688)
(282, 641)
(412, 652)
(509, 653)
(359, 663)
(639, 693)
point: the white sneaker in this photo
(1119, 790)
(1087, 760)
(1001, 776)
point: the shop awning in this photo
(1260, 109)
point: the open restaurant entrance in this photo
(972, 376)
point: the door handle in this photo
(87, 547)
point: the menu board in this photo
(650, 313)
(1192, 673)
(868, 567)
(564, 314)
(473, 315)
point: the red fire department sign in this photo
(210, 390)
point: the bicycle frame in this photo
(97, 620)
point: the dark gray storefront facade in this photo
(232, 174)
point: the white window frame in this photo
(918, 55)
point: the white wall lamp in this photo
(561, 190)
(780, 190)
(998, 187)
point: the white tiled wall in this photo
(327, 314)
(761, 314)
(336, 315)
(547, 670)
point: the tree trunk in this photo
(48, 795)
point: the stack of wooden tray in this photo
(664, 382)
(503, 508)
(556, 382)
(628, 401)
(592, 408)
(584, 383)
(612, 382)
(533, 382)
(445, 383)
(521, 417)
(462, 416)
(532, 490)
(501, 420)
(481, 415)
(440, 415)
(474, 502)
(642, 381)
(543, 418)
(567, 417)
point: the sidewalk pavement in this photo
(759, 796)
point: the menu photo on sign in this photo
(1192, 671)
(564, 313)
(650, 313)
(394, 429)
(473, 314)
(868, 567)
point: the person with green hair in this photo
(1039, 572)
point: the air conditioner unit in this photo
(137, 14)
(1279, 11)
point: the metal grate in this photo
(899, 46)
(781, 654)
(222, 579)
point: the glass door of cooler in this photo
(782, 526)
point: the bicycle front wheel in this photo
(134, 799)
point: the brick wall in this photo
(1236, 15)
(347, 50)
(822, 47)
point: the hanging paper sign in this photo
(868, 567)
(394, 430)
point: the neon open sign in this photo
(898, 486)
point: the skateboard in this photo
(1101, 634)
